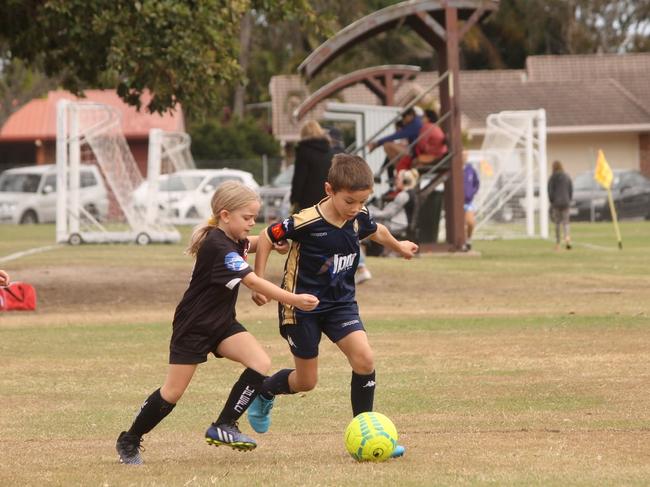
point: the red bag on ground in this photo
(17, 296)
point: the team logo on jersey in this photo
(279, 230)
(338, 263)
(355, 226)
(234, 262)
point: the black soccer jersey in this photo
(323, 257)
(209, 302)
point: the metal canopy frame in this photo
(383, 81)
(437, 22)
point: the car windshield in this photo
(177, 182)
(284, 178)
(19, 183)
(585, 181)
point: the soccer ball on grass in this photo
(370, 437)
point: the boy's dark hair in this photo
(349, 173)
(409, 111)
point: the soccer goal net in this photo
(169, 152)
(89, 135)
(512, 199)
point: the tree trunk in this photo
(244, 58)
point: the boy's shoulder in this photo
(306, 217)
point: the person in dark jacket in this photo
(560, 193)
(313, 161)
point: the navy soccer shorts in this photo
(304, 337)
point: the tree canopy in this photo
(181, 51)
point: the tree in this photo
(522, 28)
(182, 51)
(18, 85)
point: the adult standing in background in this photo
(312, 163)
(560, 193)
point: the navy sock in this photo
(362, 392)
(152, 412)
(278, 383)
(241, 395)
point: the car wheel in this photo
(142, 239)
(92, 209)
(29, 218)
(192, 213)
(507, 214)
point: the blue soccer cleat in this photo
(398, 452)
(259, 413)
(229, 435)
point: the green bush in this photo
(237, 139)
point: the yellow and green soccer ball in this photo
(370, 437)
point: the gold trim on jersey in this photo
(289, 282)
(305, 217)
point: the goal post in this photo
(512, 200)
(96, 178)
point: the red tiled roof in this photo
(37, 119)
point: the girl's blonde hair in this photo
(229, 196)
(312, 130)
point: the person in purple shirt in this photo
(471, 184)
(412, 123)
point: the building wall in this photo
(578, 152)
(644, 153)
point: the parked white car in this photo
(184, 196)
(28, 194)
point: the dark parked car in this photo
(275, 196)
(630, 192)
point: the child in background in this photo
(323, 258)
(205, 322)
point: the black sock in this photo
(241, 395)
(362, 392)
(152, 412)
(278, 383)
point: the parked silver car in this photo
(28, 194)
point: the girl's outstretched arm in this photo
(305, 302)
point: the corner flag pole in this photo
(612, 210)
(604, 176)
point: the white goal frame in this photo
(98, 126)
(512, 170)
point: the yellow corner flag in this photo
(604, 176)
(603, 173)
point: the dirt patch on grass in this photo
(121, 294)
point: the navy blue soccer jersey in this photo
(323, 257)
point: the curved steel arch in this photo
(378, 79)
(426, 17)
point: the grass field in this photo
(523, 366)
